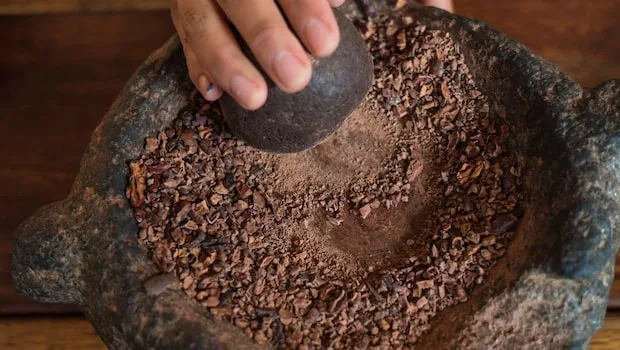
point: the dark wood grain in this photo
(59, 76)
(614, 301)
(608, 338)
(60, 73)
(578, 36)
(28, 7)
(76, 333)
(61, 333)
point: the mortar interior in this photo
(545, 192)
(531, 138)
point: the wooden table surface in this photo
(60, 73)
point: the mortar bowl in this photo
(549, 291)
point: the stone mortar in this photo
(549, 291)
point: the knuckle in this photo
(229, 3)
(263, 34)
(221, 60)
(192, 20)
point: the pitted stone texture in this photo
(563, 305)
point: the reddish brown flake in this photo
(220, 189)
(151, 145)
(477, 170)
(302, 304)
(266, 261)
(414, 170)
(401, 40)
(260, 337)
(425, 90)
(286, 317)
(187, 282)
(445, 91)
(244, 190)
(190, 142)
(442, 291)
(209, 258)
(251, 227)
(488, 241)
(503, 223)
(259, 286)
(473, 249)
(258, 200)
(191, 225)
(426, 284)
(391, 28)
(365, 211)
(407, 65)
(472, 151)
(422, 302)
(215, 199)
(464, 174)
(158, 169)
(162, 257)
(184, 208)
(177, 235)
(212, 301)
(137, 183)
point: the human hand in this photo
(216, 62)
(442, 4)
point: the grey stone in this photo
(549, 291)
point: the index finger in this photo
(207, 33)
(276, 49)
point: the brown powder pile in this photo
(358, 242)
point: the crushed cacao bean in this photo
(307, 250)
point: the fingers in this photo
(442, 4)
(336, 3)
(203, 83)
(198, 76)
(212, 50)
(275, 47)
(314, 23)
(216, 63)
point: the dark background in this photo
(64, 61)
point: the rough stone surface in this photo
(295, 122)
(84, 249)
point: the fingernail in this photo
(289, 70)
(213, 92)
(242, 90)
(321, 40)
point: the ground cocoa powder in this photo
(358, 242)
